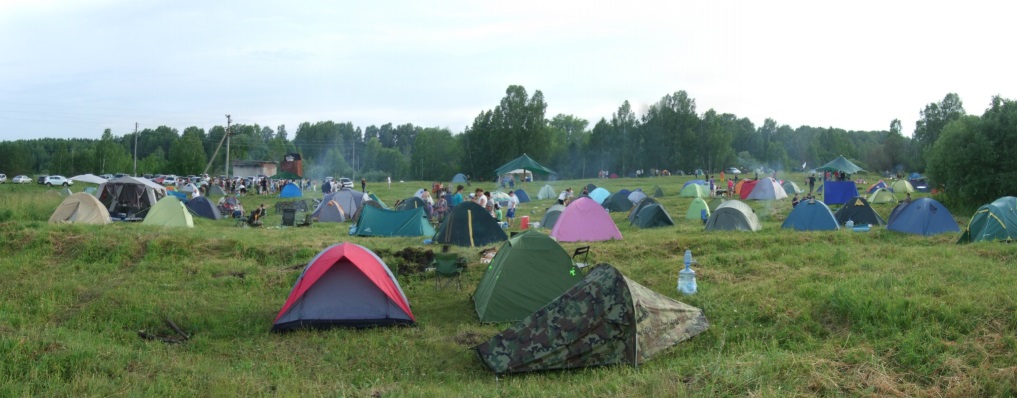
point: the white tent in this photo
(89, 179)
(767, 189)
(130, 194)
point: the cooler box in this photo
(524, 222)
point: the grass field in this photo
(791, 313)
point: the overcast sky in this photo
(74, 68)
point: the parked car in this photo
(118, 175)
(345, 183)
(3, 178)
(169, 180)
(733, 170)
(22, 179)
(107, 177)
(58, 180)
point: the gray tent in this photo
(551, 216)
(330, 212)
(216, 190)
(733, 215)
(348, 199)
(547, 192)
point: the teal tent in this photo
(523, 162)
(996, 221)
(840, 164)
(381, 222)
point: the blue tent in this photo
(839, 192)
(459, 178)
(700, 182)
(811, 215)
(180, 195)
(923, 216)
(876, 186)
(291, 190)
(522, 196)
(599, 195)
(625, 192)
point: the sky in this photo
(70, 69)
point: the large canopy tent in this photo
(89, 179)
(525, 163)
(840, 164)
(130, 195)
(285, 175)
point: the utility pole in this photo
(135, 149)
(229, 121)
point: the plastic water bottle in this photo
(849, 224)
(687, 277)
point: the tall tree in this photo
(934, 118)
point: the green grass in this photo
(833, 313)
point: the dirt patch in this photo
(468, 338)
(408, 261)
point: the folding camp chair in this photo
(289, 217)
(307, 220)
(446, 265)
(582, 251)
(240, 219)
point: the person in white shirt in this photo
(511, 213)
(562, 196)
(481, 199)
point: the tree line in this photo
(672, 134)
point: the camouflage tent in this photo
(605, 319)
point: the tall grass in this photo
(832, 313)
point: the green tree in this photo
(934, 118)
(186, 156)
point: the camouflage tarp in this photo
(605, 319)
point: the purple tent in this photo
(584, 220)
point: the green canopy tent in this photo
(605, 319)
(285, 175)
(523, 162)
(840, 164)
(529, 271)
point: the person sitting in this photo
(257, 215)
(795, 201)
(907, 198)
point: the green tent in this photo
(169, 212)
(378, 201)
(694, 191)
(380, 222)
(715, 203)
(996, 221)
(529, 271)
(470, 225)
(619, 201)
(882, 195)
(696, 208)
(902, 187)
(733, 215)
(285, 175)
(523, 162)
(639, 206)
(652, 216)
(657, 192)
(605, 319)
(840, 164)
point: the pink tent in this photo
(584, 220)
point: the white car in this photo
(57, 180)
(345, 183)
(169, 180)
(3, 178)
(733, 170)
(22, 179)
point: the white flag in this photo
(803, 165)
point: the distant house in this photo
(251, 168)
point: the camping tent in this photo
(923, 216)
(639, 206)
(636, 196)
(694, 191)
(348, 199)
(375, 199)
(996, 221)
(767, 189)
(739, 185)
(547, 192)
(468, 224)
(130, 195)
(715, 203)
(66, 192)
(619, 201)
(381, 222)
(599, 195)
(346, 285)
(590, 187)
(733, 215)
(657, 192)
(791, 188)
(551, 216)
(529, 271)
(605, 319)
(80, 208)
(838, 192)
(874, 187)
(413, 202)
(858, 211)
(652, 216)
(459, 179)
(216, 190)
(902, 186)
(169, 212)
(747, 187)
(329, 211)
(179, 195)
(584, 220)
(811, 215)
(522, 196)
(882, 195)
(89, 179)
(840, 164)
(523, 162)
(203, 207)
(290, 190)
(698, 182)
(696, 209)
(625, 191)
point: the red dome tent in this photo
(346, 285)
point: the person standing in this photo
(363, 185)
(389, 178)
(480, 199)
(510, 214)
(713, 187)
(812, 183)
